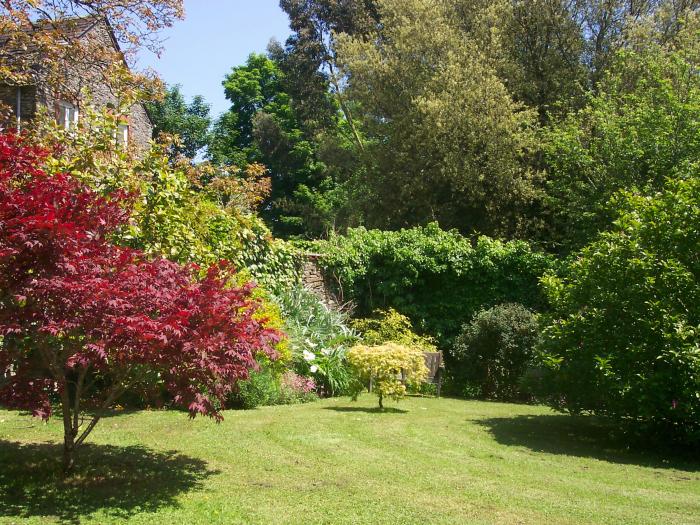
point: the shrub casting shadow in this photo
(368, 410)
(122, 481)
(583, 436)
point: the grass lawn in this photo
(334, 461)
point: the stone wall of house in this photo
(140, 128)
(99, 96)
(87, 86)
(314, 281)
(84, 85)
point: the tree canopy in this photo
(263, 127)
(640, 127)
(189, 122)
(445, 137)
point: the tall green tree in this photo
(309, 58)
(190, 122)
(438, 98)
(550, 52)
(263, 127)
(642, 126)
(445, 137)
(251, 88)
(542, 46)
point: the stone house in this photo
(83, 83)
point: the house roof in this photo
(72, 27)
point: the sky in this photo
(215, 36)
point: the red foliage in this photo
(74, 306)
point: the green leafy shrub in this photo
(266, 387)
(624, 339)
(262, 388)
(437, 278)
(391, 326)
(390, 367)
(318, 337)
(188, 226)
(493, 351)
(190, 214)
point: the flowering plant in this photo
(318, 337)
(298, 384)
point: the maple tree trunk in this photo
(68, 433)
(70, 442)
(68, 452)
(381, 400)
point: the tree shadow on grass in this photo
(583, 436)
(121, 481)
(368, 410)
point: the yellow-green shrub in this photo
(271, 312)
(386, 365)
(391, 326)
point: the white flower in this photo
(314, 369)
(310, 343)
(309, 356)
(326, 351)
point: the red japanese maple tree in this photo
(83, 320)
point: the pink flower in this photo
(298, 383)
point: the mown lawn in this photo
(425, 461)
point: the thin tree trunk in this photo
(68, 452)
(343, 106)
(111, 397)
(71, 413)
(381, 400)
(71, 421)
(76, 400)
(69, 431)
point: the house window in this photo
(123, 135)
(67, 117)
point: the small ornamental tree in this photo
(391, 326)
(390, 367)
(82, 320)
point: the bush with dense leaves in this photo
(390, 367)
(437, 278)
(493, 351)
(190, 214)
(624, 340)
(185, 225)
(266, 387)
